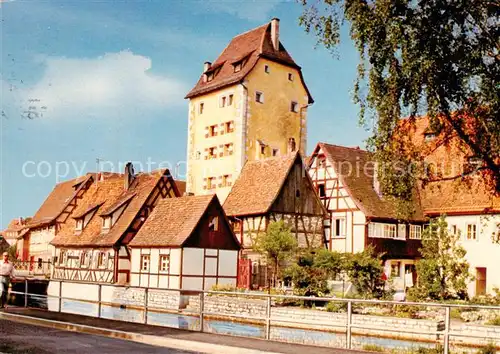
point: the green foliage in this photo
(405, 311)
(12, 250)
(307, 277)
(226, 288)
(373, 348)
(443, 272)
(364, 270)
(416, 58)
(277, 245)
(336, 306)
(494, 322)
(488, 349)
(488, 299)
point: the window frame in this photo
(294, 107)
(267, 69)
(201, 107)
(166, 258)
(471, 234)
(338, 231)
(415, 232)
(290, 77)
(321, 187)
(145, 260)
(259, 97)
(213, 220)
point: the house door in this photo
(480, 281)
(244, 273)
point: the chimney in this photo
(275, 33)
(206, 66)
(291, 145)
(20, 221)
(376, 182)
(129, 175)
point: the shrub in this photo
(494, 322)
(373, 348)
(405, 311)
(488, 349)
(336, 306)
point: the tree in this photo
(308, 279)
(277, 244)
(438, 58)
(365, 270)
(443, 272)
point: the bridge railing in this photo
(442, 333)
(32, 268)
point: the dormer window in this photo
(106, 222)
(294, 107)
(238, 66)
(210, 76)
(79, 224)
(259, 97)
(428, 137)
(290, 77)
(83, 218)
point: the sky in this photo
(83, 80)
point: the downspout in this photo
(117, 259)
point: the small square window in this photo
(396, 269)
(210, 76)
(212, 153)
(294, 107)
(276, 152)
(230, 100)
(145, 262)
(164, 263)
(222, 102)
(79, 225)
(237, 67)
(213, 224)
(290, 77)
(211, 183)
(267, 70)
(228, 149)
(226, 181)
(259, 97)
(228, 127)
(201, 107)
(212, 130)
(262, 149)
(101, 259)
(471, 232)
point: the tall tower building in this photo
(249, 104)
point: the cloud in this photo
(253, 10)
(113, 85)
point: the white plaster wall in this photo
(192, 261)
(39, 244)
(82, 291)
(175, 261)
(482, 252)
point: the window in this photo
(401, 232)
(415, 232)
(290, 77)
(226, 180)
(62, 257)
(267, 70)
(396, 269)
(496, 234)
(212, 153)
(259, 97)
(230, 100)
(339, 227)
(294, 107)
(453, 229)
(228, 149)
(212, 130)
(321, 161)
(262, 149)
(228, 127)
(222, 101)
(213, 223)
(381, 230)
(276, 152)
(201, 107)
(164, 263)
(429, 137)
(101, 259)
(84, 259)
(210, 76)
(79, 224)
(471, 232)
(106, 222)
(321, 190)
(198, 155)
(237, 67)
(211, 183)
(145, 262)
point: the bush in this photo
(494, 322)
(373, 348)
(226, 288)
(489, 349)
(405, 311)
(336, 306)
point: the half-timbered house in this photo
(359, 215)
(273, 189)
(92, 245)
(187, 243)
(34, 243)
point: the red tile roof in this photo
(181, 186)
(355, 169)
(62, 194)
(258, 185)
(251, 45)
(108, 193)
(173, 221)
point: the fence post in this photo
(447, 330)
(99, 303)
(25, 292)
(60, 296)
(146, 305)
(349, 324)
(202, 309)
(268, 317)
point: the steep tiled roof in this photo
(258, 185)
(181, 186)
(108, 193)
(62, 194)
(355, 168)
(172, 221)
(251, 46)
(449, 196)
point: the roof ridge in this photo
(250, 30)
(357, 148)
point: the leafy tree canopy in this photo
(435, 58)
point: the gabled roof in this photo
(181, 186)
(355, 168)
(107, 193)
(62, 194)
(258, 185)
(173, 221)
(250, 46)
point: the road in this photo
(21, 338)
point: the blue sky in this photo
(108, 80)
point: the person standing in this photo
(6, 274)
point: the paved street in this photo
(22, 338)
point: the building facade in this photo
(250, 104)
(358, 214)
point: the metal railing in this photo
(443, 329)
(32, 268)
